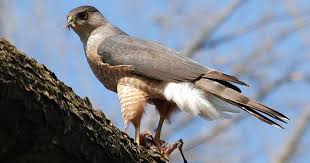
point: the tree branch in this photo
(209, 29)
(264, 21)
(291, 144)
(43, 120)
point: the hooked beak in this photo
(70, 23)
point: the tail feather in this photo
(231, 96)
(224, 77)
(261, 117)
(257, 114)
(272, 113)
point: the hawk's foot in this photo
(159, 146)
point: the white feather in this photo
(197, 102)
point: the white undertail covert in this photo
(198, 102)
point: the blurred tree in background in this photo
(265, 43)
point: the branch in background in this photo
(212, 133)
(263, 22)
(267, 45)
(183, 121)
(172, 9)
(209, 29)
(291, 143)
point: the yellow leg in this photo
(158, 130)
(137, 134)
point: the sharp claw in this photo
(160, 145)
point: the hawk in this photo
(142, 72)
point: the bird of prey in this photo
(142, 72)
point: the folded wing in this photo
(153, 60)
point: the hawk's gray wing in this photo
(156, 61)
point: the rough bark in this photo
(43, 120)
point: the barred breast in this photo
(111, 76)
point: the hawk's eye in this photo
(83, 15)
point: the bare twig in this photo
(264, 21)
(212, 133)
(267, 45)
(292, 142)
(209, 29)
(183, 121)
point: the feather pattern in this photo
(133, 102)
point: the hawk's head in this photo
(85, 19)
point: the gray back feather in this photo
(150, 59)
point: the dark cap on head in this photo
(83, 8)
(81, 13)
